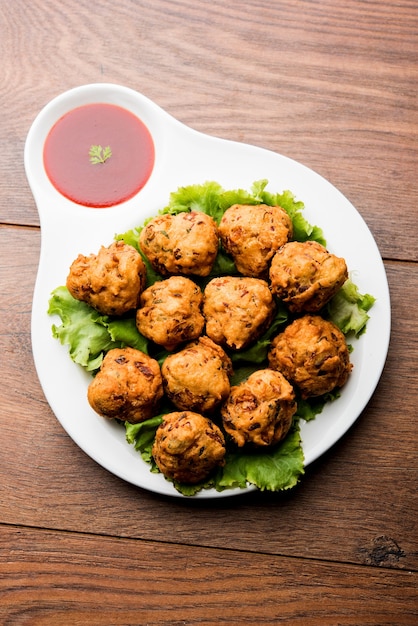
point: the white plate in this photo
(184, 157)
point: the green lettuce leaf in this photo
(223, 266)
(212, 199)
(309, 409)
(274, 470)
(124, 332)
(348, 309)
(89, 334)
(131, 238)
(204, 198)
(142, 436)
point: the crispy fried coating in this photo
(197, 377)
(306, 276)
(170, 312)
(259, 410)
(128, 386)
(111, 281)
(188, 447)
(251, 234)
(186, 243)
(237, 310)
(312, 354)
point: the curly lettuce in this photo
(348, 309)
(87, 333)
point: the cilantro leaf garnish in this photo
(98, 154)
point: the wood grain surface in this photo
(332, 85)
(91, 580)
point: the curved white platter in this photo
(184, 157)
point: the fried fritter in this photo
(251, 234)
(259, 410)
(306, 276)
(186, 243)
(128, 386)
(312, 354)
(170, 312)
(197, 377)
(188, 447)
(111, 281)
(237, 310)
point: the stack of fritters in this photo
(200, 325)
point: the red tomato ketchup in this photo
(120, 176)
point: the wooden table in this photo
(332, 85)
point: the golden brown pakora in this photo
(259, 410)
(306, 276)
(111, 281)
(251, 234)
(197, 377)
(186, 243)
(237, 310)
(188, 447)
(127, 387)
(312, 354)
(170, 312)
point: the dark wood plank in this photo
(356, 504)
(62, 578)
(332, 87)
